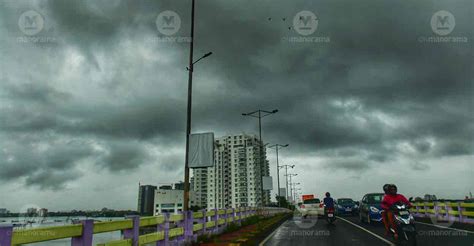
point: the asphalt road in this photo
(349, 231)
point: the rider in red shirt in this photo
(390, 198)
(384, 214)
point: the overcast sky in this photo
(95, 102)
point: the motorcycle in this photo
(330, 216)
(405, 230)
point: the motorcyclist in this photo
(328, 201)
(383, 213)
(388, 200)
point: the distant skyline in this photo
(97, 103)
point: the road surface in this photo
(349, 231)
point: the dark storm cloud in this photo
(356, 99)
(124, 157)
(348, 165)
(42, 161)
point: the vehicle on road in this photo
(330, 215)
(404, 230)
(370, 208)
(346, 206)
(312, 207)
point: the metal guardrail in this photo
(450, 211)
(169, 228)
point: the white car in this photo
(312, 207)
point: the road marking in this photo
(444, 227)
(371, 233)
(270, 236)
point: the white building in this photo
(235, 180)
(171, 201)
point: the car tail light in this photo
(321, 205)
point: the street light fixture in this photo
(294, 189)
(277, 147)
(290, 175)
(189, 108)
(260, 114)
(286, 175)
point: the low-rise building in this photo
(171, 201)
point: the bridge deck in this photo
(347, 231)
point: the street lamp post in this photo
(189, 108)
(286, 179)
(291, 175)
(277, 147)
(260, 114)
(293, 188)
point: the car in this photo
(346, 206)
(370, 208)
(312, 206)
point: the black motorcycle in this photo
(330, 215)
(405, 224)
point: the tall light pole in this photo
(286, 179)
(260, 114)
(291, 175)
(293, 187)
(277, 147)
(188, 115)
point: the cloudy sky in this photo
(95, 102)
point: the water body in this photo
(35, 222)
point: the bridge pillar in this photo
(87, 234)
(6, 232)
(134, 232)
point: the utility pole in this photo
(258, 114)
(189, 110)
(286, 175)
(188, 116)
(277, 147)
(291, 175)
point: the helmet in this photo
(392, 189)
(328, 194)
(385, 188)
